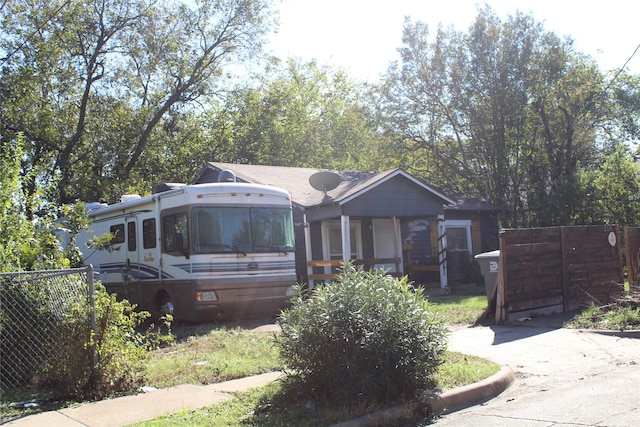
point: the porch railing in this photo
(367, 264)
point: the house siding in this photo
(396, 197)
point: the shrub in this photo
(365, 337)
(120, 349)
(66, 357)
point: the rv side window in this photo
(149, 233)
(118, 233)
(175, 232)
(131, 236)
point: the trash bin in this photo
(489, 262)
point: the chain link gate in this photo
(45, 318)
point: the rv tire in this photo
(165, 304)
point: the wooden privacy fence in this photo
(560, 268)
(632, 244)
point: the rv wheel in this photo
(165, 305)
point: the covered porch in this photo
(415, 247)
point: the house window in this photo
(332, 240)
(458, 236)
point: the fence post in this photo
(501, 282)
(92, 314)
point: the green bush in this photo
(66, 357)
(365, 337)
(121, 351)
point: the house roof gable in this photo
(296, 181)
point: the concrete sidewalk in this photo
(565, 377)
(143, 406)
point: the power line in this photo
(17, 49)
(622, 68)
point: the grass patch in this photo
(212, 356)
(259, 407)
(461, 369)
(269, 406)
(623, 313)
(212, 352)
(459, 309)
(615, 317)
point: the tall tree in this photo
(61, 59)
(300, 114)
(617, 185)
(506, 106)
(179, 61)
(88, 81)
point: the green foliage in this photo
(617, 184)
(117, 347)
(509, 109)
(28, 243)
(300, 114)
(13, 227)
(93, 85)
(71, 359)
(366, 336)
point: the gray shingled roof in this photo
(296, 181)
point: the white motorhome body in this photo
(201, 252)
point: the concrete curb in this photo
(627, 333)
(472, 394)
(449, 401)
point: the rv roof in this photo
(194, 190)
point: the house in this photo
(388, 220)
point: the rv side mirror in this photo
(177, 243)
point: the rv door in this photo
(132, 261)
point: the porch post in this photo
(397, 251)
(307, 248)
(346, 238)
(442, 251)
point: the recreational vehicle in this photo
(200, 252)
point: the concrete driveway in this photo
(565, 377)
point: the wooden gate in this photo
(560, 267)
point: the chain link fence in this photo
(46, 319)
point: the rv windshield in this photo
(242, 229)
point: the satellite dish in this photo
(226, 176)
(324, 181)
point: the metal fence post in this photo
(92, 314)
